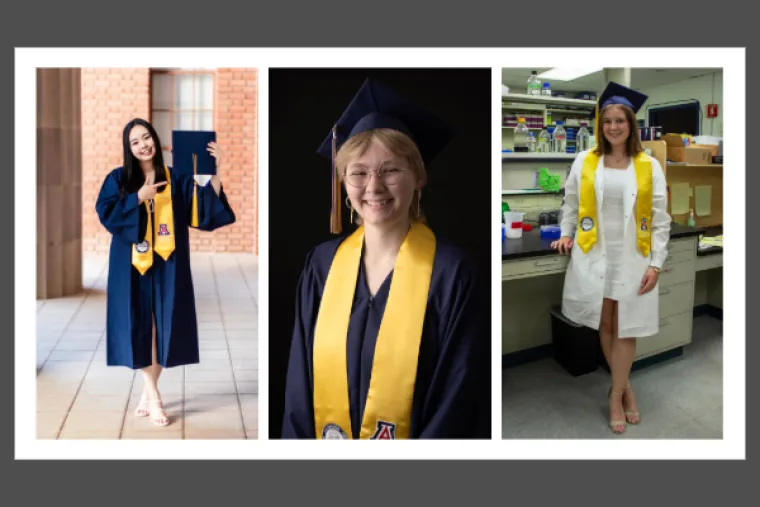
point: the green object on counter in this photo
(691, 222)
(504, 207)
(549, 182)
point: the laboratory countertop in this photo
(532, 245)
(711, 250)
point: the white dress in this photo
(612, 229)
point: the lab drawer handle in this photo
(546, 263)
(664, 291)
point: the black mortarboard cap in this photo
(190, 155)
(377, 106)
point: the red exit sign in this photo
(712, 110)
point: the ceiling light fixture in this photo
(566, 74)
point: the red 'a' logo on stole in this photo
(384, 431)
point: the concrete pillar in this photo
(620, 76)
(59, 183)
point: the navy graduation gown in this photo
(452, 389)
(166, 289)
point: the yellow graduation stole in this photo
(159, 239)
(587, 220)
(388, 410)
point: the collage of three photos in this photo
(379, 245)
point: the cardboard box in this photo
(712, 147)
(699, 155)
(676, 151)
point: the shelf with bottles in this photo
(530, 191)
(537, 156)
(523, 100)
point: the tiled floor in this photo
(679, 398)
(78, 396)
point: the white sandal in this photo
(142, 409)
(614, 425)
(630, 416)
(157, 414)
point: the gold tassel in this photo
(194, 217)
(335, 212)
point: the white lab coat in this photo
(583, 292)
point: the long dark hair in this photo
(133, 177)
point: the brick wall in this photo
(235, 121)
(112, 97)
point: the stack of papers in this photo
(710, 241)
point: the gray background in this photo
(386, 24)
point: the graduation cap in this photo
(618, 94)
(189, 152)
(190, 157)
(376, 106)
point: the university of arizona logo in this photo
(333, 432)
(384, 431)
(163, 230)
(644, 224)
(143, 247)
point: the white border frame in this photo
(28, 447)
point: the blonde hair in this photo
(397, 143)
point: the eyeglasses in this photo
(360, 177)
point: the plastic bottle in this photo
(583, 139)
(546, 90)
(534, 84)
(532, 142)
(521, 136)
(691, 222)
(559, 138)
(544, 142)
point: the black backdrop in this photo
(303, 106)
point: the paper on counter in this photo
(679, 198)
(702, 200)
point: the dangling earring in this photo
(419, 198)
(348, 203)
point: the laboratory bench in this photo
(533, 276)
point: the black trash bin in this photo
(575, 346)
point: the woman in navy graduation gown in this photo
(444, 388)
(147, 207)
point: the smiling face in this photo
(383, 171)
(142, 144)
(616, 126)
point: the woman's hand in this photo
(215, 152)
(649, 280)
(148, 191)
(563, 245)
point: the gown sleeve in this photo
(660, 217)
(119, 214)
(214, 210)
(460, 391)
(298, 420)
